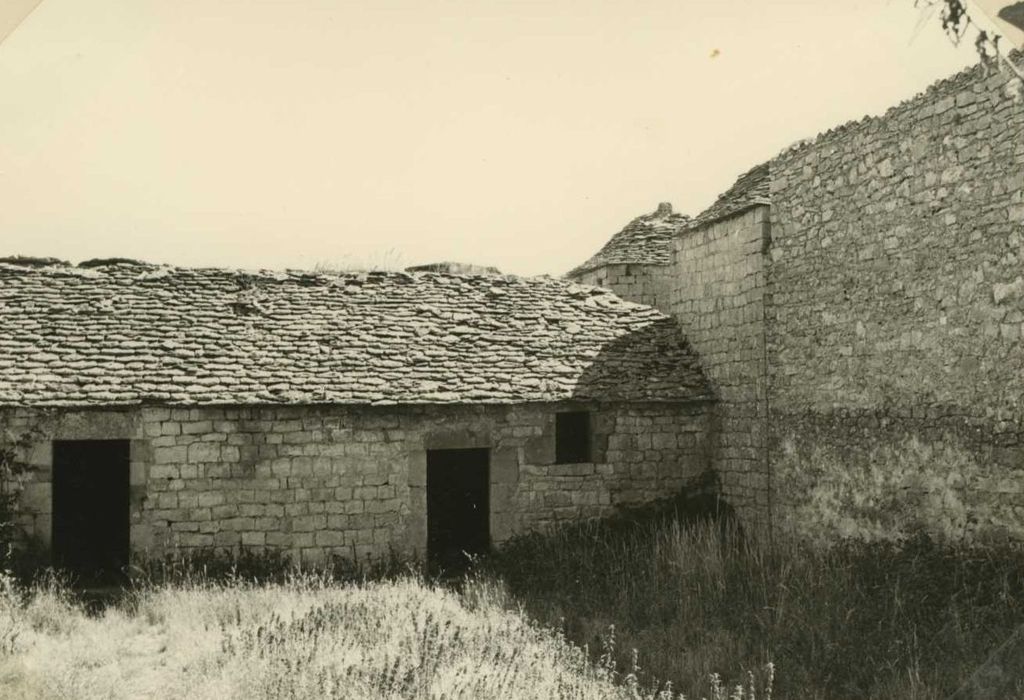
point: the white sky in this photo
(252, 133)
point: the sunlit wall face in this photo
(269, 134)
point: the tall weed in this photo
(854, 620)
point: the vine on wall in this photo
(957, 22)
(13, 468)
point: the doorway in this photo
(458, 512)
(90, 509)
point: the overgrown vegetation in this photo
(645, 606)
(12, 470)
(606, 610)
(390, 260)
(858, 621)
(306, 638)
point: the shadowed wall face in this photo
(896, 323)
(718, 300)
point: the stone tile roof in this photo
(127, 333)
(750, 189)
(646, 240)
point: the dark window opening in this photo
(90, 510)
(572, 437)
(458, 508)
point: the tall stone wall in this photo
(896, 322)
(640, 283)
(718, 298)
(350, 482)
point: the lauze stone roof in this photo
(646, 240)
(122, 333)
(750, 189)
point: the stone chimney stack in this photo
(664, 210)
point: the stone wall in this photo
(896, 320)
(322, 481)
(718, 298)
(639, 283)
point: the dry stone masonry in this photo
(340, 481)
(895, 329)
(636, 262)
(719, 298)
(856, 303)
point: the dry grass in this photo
(305, 638)
(390, 260)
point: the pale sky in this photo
(253, 134)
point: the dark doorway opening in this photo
(458, 512)
(90, 510)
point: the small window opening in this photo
(572, 437)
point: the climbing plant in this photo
(12, 468)
(957, 22)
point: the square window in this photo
(572, 437)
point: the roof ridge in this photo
(750, 189)
(99, 265)
(641, 241)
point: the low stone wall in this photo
(638, 283)
(323, 481)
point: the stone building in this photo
(636, 263)
(332, 415)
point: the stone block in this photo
(211, 498)
(417, 465)
(198, 540)
(505, 465)
(254, 539)
(137, 473)
(164, 471)
(238, 524)
(329, 538)
(203, 452)
(227, 538)
(278, 539)
(460, 438)
(309, 523)
(170, 455)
